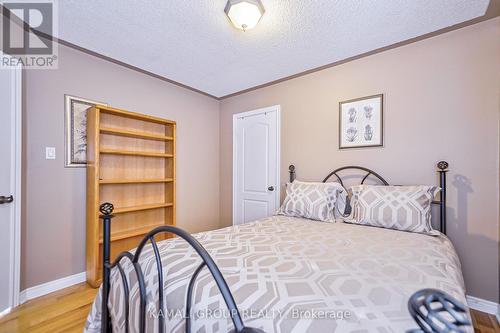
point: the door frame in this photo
(273, 108)
(16, 167)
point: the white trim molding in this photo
(483, 305)
(15, 159)
(5, 312)
(51, 286)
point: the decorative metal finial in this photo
(106, 208)
(291, 168)
(442, 165)
(428, 308)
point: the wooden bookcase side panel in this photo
(172, 165)
(92, 225)
(170, 192)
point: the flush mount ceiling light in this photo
(244, 14)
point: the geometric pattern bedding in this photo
(406, 208)
(314, 201)
(290, 274)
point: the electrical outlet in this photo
(50, 153)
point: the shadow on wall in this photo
(458, 219)
(463, 186)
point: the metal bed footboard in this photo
(106, 210)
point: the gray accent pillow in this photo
(315, 201)
(406, 208)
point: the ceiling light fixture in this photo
(244, 14)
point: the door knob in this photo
(4, 200)
(270, 188)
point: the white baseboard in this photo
(483, 305)
(51, 286)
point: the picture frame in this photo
(75, 110)
(361, 122)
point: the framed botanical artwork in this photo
(361, 122)
(76, 130)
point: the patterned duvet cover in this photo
(292, 275)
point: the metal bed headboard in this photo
(442, 170)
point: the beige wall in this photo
(442, 101)
(53, 227)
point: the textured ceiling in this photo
(192, 42)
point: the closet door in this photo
(256, 164)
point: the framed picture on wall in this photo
(76, 130)
(361, 122)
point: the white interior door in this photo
(256, 161)
(10, 185)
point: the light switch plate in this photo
(50, 153)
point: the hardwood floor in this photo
(66, 311)
(63, 311)
(484, 323)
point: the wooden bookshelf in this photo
(134, 181)
(132, 134)
(133, 153)
(131, 163)
(123, 234)
(121, 210)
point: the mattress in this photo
(292, 275)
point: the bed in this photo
(285, 274)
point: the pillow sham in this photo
(315, 201)
(406, 208)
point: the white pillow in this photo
(315, 201)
